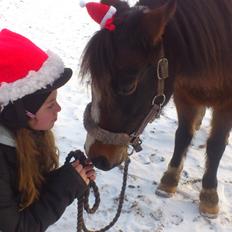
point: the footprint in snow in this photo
(156, 158)
(176, 219)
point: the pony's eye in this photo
(127, 83)
(127, 89)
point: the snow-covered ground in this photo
(65, 28)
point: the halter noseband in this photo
(133, 139)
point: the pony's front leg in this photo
(221, 126)
(187, 117)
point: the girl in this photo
(34, 192)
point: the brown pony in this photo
(128, 70)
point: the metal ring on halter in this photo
(159, 96)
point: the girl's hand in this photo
(90, 172)
(87, 173)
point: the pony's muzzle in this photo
(106, 156)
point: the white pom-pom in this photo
(82, 3)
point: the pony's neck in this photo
(196, 39)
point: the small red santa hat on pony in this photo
(101, 13)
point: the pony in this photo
(161, 49)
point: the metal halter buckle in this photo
(136, 144)
(162, 68)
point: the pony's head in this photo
(122, 65)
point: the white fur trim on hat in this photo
(82, 3)
(51, 70)
(112, 10)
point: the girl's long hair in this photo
(37, 154)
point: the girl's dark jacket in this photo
(61, 187)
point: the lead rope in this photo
(83, 202)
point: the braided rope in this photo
(83, 204)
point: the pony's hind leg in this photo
(221, 126)
(187, 117)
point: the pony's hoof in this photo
(169, 181)
(208, 215)
(162, 193)
(209, 203)
(207, 212)
(165, 191)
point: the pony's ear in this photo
(154, 21)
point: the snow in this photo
(65, 28)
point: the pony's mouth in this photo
(102, 163)
(106, 159)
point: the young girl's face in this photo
(46, 116)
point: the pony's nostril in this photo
(101, 163)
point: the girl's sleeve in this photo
(62, 186)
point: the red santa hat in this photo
(26, 69)
(101, 13)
